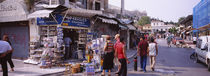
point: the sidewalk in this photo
(22, 69)
(189, 44)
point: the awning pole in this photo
(64, 17)
(54, 18)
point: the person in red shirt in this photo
(121, 55)
(143, 52)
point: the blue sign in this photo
(68, 21)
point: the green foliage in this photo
(144, 20)
(173, 30)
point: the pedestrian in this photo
(121, 54)
(169, 39)
(67, 42)
(108, 57)
(116, 60)
(194, 40)
(9, 55)
(4, 50)
(143, 52)
(153, 52)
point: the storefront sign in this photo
(68, 21)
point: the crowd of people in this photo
(115, 53)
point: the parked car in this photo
(202, 50)
(178, 41)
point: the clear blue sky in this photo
(166, 10)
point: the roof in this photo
(40, 13)
(188, 18)
(131, 27)
(147, 25)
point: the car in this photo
(178, 41)
(202, 50)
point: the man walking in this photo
(143, 52)
(4, 50)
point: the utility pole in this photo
(122, 7)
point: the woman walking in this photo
(108, 57)
(9, 55)
(153, 52)
(121, 54)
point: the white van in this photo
(202, 50)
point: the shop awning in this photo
(109, 21)
(40, 13)
(123, 27)
(206, 27)
(131, 27)
(82, 12)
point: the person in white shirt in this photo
(153, 52)
(194, 40)
(5, 48)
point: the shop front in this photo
(14, 23)
(47, 40)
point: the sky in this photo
(166, 10)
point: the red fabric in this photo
(143, 46)
(117, 42)
(119, 48)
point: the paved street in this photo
(171, 61)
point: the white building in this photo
(158, 26)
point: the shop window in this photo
(72, 0)
(97, 6)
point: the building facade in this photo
(201, 19)
(160, 26)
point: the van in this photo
(202, 50)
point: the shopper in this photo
(9, 55)
(169, 39)
(67, 42)
(116, 60)
(153, 52)
(121, 54)
(108, 57)
(4, 50)
(143, 52)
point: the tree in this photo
(173, 30)
(144, 20)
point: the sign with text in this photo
(68, 21)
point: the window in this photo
(54, 2)
(97, 6)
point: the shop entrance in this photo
(74, 36)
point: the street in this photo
(171, 61)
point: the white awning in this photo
(40, 13)
(82, 12)
(110, 21)
(131, 27)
